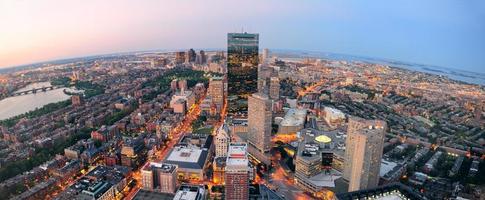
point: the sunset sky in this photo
(449, 33)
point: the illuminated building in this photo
(133, 152)
(237, 172)
(191, 192)
(187, 96)
(216, 91)
(317, 162)
(159, 177)
(333, 117)
(242, 62)
(222, 141)
(293, 121)
(259, 121)
(192, 155)
(179, 57)
(364, 144)
(218, 170)
(395, 191)
(265, 56)
(274, 88)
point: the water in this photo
(455, 74)
(17, 105)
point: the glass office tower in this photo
(242, 63)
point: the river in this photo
(13, 106)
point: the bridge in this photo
(33, 91)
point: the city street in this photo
(176, 133)
(285, 186)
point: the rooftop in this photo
(190, 192)
(162, 167)
(294, 117)
(149, 195)
(237, 155)
(315, 141)
(187, 157)
(395, 191)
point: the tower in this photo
(216, 91)
(364, 146)
(242, 62)
(274, 88)
(259, 121)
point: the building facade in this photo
(237, 172)
(159, 177)
(216, 91)
(364, 146)
(259, 121)
(222, 140)
(242, 62)
(274, 88)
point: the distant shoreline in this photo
(469, 77)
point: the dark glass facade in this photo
(242, 63)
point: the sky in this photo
(448, 33)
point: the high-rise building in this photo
(179, 57)
(259, 121)
(216, 91)
(274, 88)
(191, 56)
(237, 172)
(268, 81)
(265, 56)
(222, 140)
(242, 62)
(363, 154)
(203, 57)
(159, 177)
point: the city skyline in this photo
(444, 33)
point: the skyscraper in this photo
(363, 154)
(274, 88)
(191, 56)
(242, 62)
(203, 57)
(237, 172)
(259, 121)
(265, 56)
(216, 91)
(179, 57)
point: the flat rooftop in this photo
(294, 117)
(149, 195)
(394, 191)
(189, 192)
(163, 167)
(319, 141)
(237, 155)
(325, 179)
(187, 157)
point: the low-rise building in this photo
(191, 192)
